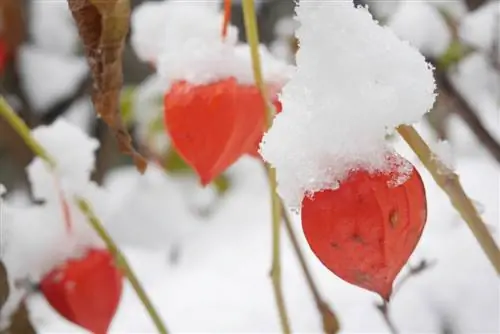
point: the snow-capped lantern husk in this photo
(214, 113)
(355, 82)
(362, 212)
(365, 231)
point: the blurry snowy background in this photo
(204, 254)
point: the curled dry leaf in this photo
(103, 26)
(12, 28)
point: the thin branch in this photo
(253, 40)
(329, 319)
(25, 133)
(122, 263)
(384, 310)
(450, 183)
(412, 272)
(469, 115)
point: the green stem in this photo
(253, 41)
(122, 263)
(25, 133)
(450, 183)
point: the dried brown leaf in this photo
(103, 26)
(12, 27)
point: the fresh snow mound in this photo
(481, 27)
(38, 238)
(354, 82)
(73, 152)
(184, 40)
(423, 26)
(49, 77)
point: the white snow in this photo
(479, 83)
(74, 158)
(37, 237)
(221, 284)
(444, 155)
(422, 25)
(355, 82)
(184, 40)
(47, 76)
(170, 26)
(383, 10)
(146, 210)
(147, 27)
(49, 19)
(147, 108)
(481, 28)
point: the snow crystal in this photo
(423, 26)
(355, 81)
(481, 28)
(184, 40)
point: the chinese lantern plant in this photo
(366, 230)
(214, 124)
(86, 290)
(363, 207)
(213, 111)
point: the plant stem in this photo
(122, 263)
(253, 40)
(25, 133)
(450, 183)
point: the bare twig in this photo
(413, 271)
(468, 114)
(450, 183)
(384, 310)
(329, 319)
(383, 307)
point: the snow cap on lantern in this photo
(170, 26)
(73, 152)
(184, 40)
(355, 82)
